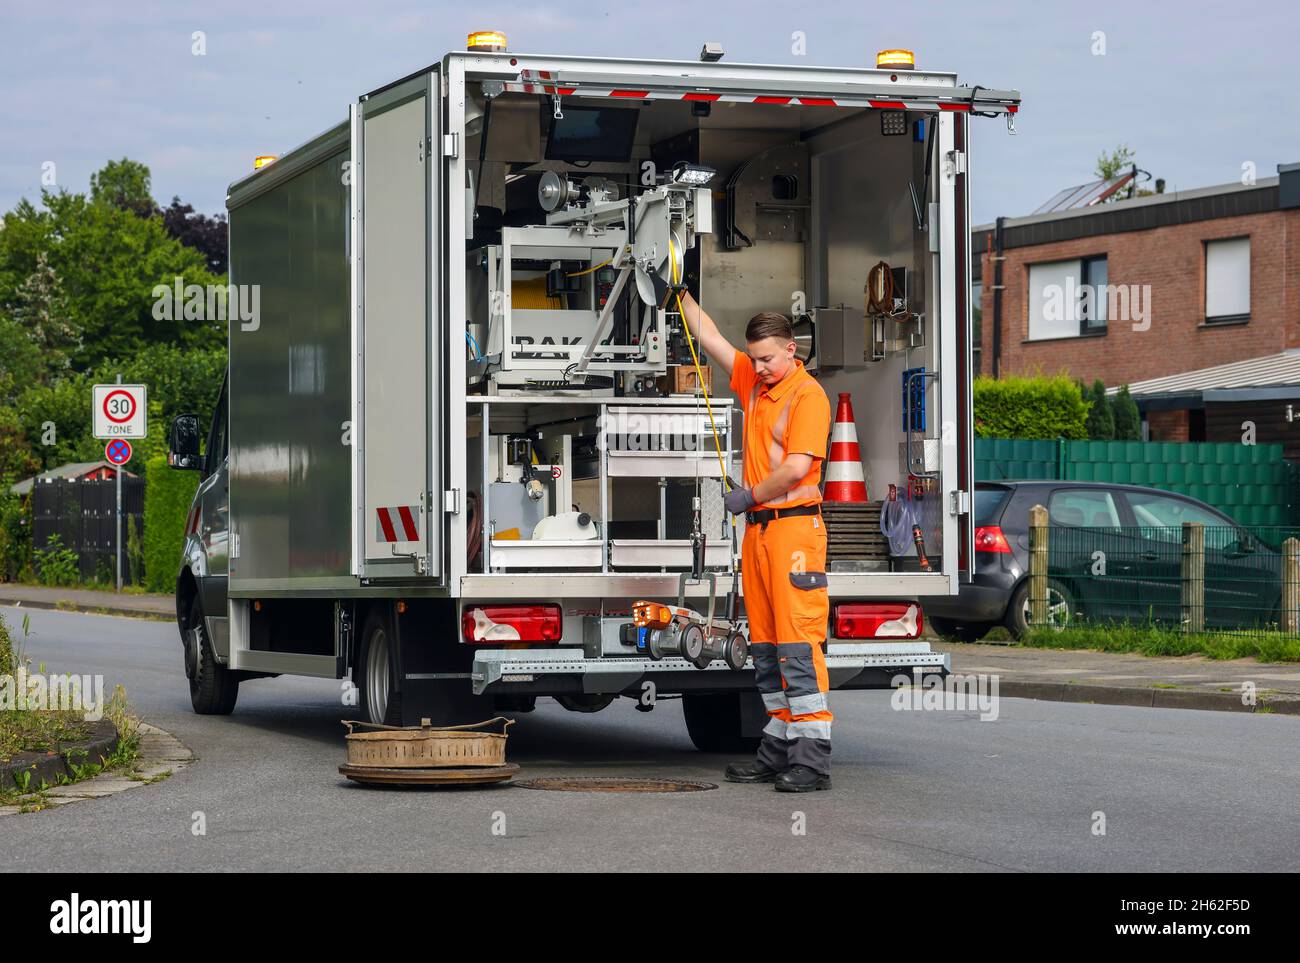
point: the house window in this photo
(1227, 280)
(1067, 299)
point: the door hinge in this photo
(955, 162)
(450, 145)
(451, 501)
(234, 545)
(960, 503)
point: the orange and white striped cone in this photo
(844, 479)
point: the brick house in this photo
(1203, 284)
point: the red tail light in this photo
(511, 623)
(989, 538)
(878, 620)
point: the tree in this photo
(1128, 420)
(124, 184)
(207, 235)
(1101, 420)
(1115, 163)
(41, 312)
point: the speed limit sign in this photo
(119, 411)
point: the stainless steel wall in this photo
(290, 381)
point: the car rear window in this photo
(988, 504)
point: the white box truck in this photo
(462, 439)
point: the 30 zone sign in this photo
(119, 411)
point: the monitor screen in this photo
(592, 134)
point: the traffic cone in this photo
(844, 479)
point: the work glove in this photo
(739, 500)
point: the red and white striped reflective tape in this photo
(397, 524)
(543, 82)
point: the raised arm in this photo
(720, 351)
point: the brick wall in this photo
(1168, 425)
(1172, 261)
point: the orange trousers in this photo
(783, 565)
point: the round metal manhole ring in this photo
(613, 784)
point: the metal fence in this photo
(82, 514)
(1193, 578)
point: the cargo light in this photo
(262, 160)
(512, 623)
(486, 41)
(877, 620)
(692, 175)
(989, 538)
(896, 60)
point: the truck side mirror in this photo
(183, 443)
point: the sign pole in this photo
(117, 526)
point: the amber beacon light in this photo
(896, 60)
(486, 41)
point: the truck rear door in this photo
(397, 325)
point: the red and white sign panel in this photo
(397, 524)
(117, 452)
(119, 411)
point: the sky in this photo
(1204, 92)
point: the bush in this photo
(167, 497)
(56, 565)
(1128, 420)
(1030, 408)
(15, 534)
(1101, 417)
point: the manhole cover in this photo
(613, 784)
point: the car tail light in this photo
(878, 620)
(511, 623)
(989, 538)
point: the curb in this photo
(161, 755)
(48, 768)
(1148, 697)
(67, 605)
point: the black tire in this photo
(961, 631)
(214, 689)
(1062, 608)
(375, 673)
(713, 721)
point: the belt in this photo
(765, 515)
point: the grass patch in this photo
(1157, 640)
(30, 730)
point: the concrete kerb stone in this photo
(1152, 697)
(160, 753)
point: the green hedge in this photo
(167, 496)
(1030, 408)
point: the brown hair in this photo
(769, 324)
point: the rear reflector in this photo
(989, 538)
(878, 620)
(512, 623)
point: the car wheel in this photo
(961, 631)
(375, 674)
(214, 689)
(1062, 611)
(713, 721)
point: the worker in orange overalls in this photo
(783, 559)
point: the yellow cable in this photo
(690, 343)
(578, 274)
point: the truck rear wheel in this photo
(375, 673)
(214, 689)
(715, 721)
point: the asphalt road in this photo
(1180, 789)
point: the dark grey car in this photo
(1135, 530)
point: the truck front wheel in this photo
(214, 689)
(716, 721)
(375, 674)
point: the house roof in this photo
(73, 469)
(1270, 376)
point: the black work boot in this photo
(802, 779)
(753, 771)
